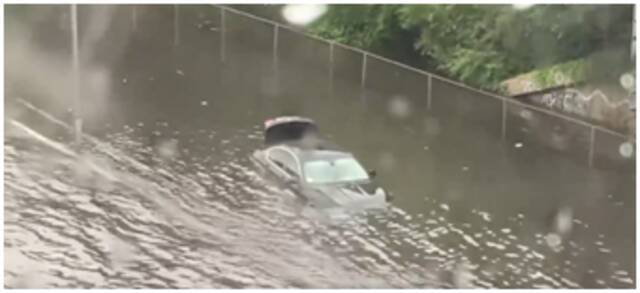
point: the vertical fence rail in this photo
(275, 48)
(331, 69)
(429, 91)
(363, 79)
(503, 130)
(134, 18)
(276, 59)
(223, 33)
(176, 25)
(75, 69)
(592, 140)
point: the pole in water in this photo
(75, 69)
(176, 25)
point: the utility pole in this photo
(75, 71)
(633, 35)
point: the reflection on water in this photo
(164, 195)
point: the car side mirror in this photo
(372, 173)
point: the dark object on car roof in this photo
(288, 128)
(298, 132)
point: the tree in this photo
(479, 44)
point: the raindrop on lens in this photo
(300, 14)
(399, 107)
(553, 240)
(626, 149)
(526, 114)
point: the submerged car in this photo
(323, 175)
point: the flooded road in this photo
(162, 193)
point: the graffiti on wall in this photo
(576, 102)
(566, 101)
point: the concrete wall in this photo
(604, 104)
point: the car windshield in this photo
(334, 171)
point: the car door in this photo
(286, 166)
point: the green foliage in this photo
(375, 28)
(561, 74)
(480, 44)
(366, 26)
(461, 38)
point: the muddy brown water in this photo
(470, 209)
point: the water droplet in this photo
(179, 72)
(553, 240)
(300, 14)
(518, 145)
(465, 168)
(564, 221)
(399, 107)
(526, 114)
(167, 149)
(204, 103)
(626, 149)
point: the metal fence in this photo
(501, 115)
(230, 31)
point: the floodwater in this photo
(162, 194)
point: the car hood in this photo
(350, 196)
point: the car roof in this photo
(312, 154)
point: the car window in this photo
(334, 171)
(285, 161)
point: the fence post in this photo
(363, 81)
(331, 68)
(176, 24)
(592, 139)
(223, 33)
(364, 70)
(276, 71)
(134, 18)
(429, 91)
(503, 133)
(275, 48)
